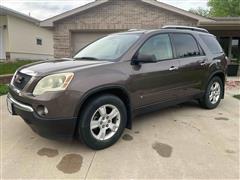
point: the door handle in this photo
(173, 68)
(203, 63)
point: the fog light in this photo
(42, 110)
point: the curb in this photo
(5, 79)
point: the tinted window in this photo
(212, 43)
(159, 45)
(186, 45)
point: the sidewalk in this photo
(234, 78)
(233, 85)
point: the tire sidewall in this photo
(86, 116)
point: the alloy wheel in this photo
(105, 122)
(215, 92)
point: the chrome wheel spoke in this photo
(217, 86)
(102, 134)
(212, 88)
(102, 110)
(113, 127)
(94, 124)
(214, 99)
(113, 114)
(211, 95)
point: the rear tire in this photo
(102, 121)
(213, 94)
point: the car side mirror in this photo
(145, 58)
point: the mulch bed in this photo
(233, 85)
(5, 79)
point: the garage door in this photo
(80, 39)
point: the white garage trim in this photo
(2, 49)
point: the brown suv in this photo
(96, 94)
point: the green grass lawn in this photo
(237, 96)
(11, 67)
(3, 89)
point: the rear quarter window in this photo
(212, 44)
(185, 45)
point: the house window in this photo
(231, 46)
(39, 41)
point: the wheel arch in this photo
(116, 90)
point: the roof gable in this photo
(11, 12)
(175, 10)
(50, 22)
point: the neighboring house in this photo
(21, 37)
(74, 29)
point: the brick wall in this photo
(5, 79)
(114, 15)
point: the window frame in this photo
(200, 49)
(143, 43)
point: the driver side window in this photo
(159, 46)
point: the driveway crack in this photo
(90, 164)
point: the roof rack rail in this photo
(186, 28)
(135, 30)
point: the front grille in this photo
(20, 80)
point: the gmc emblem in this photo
(18, 79)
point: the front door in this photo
(155, 82)
(2, 53)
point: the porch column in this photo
(230, 48)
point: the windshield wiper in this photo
(87, 58)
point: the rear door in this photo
(193, 63)
(156, 82)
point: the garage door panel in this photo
(81, 39)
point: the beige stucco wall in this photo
(22, 39)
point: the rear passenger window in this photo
(212, 44)
(185, 45)
(159, 46)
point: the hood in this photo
(63, 65)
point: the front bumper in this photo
(46, 127)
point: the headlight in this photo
(56, 82)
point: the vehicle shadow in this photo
(162, 111)
(137, 121)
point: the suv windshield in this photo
(108, 48)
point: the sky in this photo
(43, 9)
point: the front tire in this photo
(102, 121)
(213, 94)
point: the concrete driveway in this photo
(183, 141)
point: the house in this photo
(227, 31)
(75, 28)
(21, 37)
